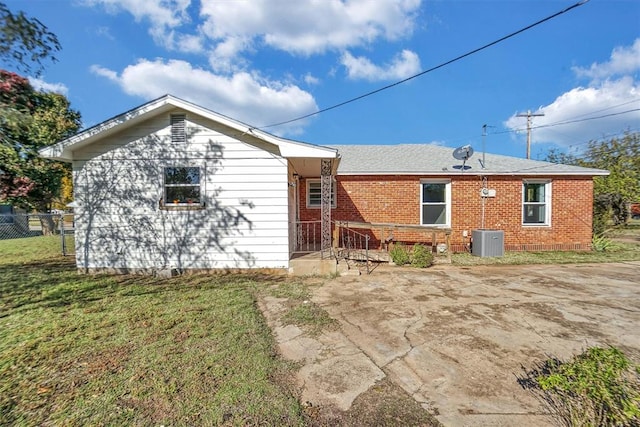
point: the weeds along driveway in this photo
(456, 338)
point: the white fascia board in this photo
(63, 149)
(298, 149)
(55, 152)
(287, 147)
(597, 172)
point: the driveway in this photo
(456, 338)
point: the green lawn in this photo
(623, 244)
(620, 252)
(133, 350)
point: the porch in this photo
(358, 247)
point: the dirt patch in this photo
(384, 404)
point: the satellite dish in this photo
(463, 153)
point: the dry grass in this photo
(125, 350)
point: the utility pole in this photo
(528, 116)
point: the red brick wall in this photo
(396, 199)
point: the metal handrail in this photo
(308, 235)
(352, 241)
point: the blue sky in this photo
(268, 61)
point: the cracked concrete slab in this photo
(455, 338)
(334, 371)
(338, 380)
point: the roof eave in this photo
(55, 153)
(476, 173)
(288, 148)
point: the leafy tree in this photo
(30, 120)
(37, 119)
(66, 191)
(613, 193)
(25, 42)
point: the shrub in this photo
(600, 243)
(599, 387)
(399, 254)
(421, 256)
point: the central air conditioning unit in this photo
(487, 243)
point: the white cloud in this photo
(41, 85)
(243, 96)
(174, 40)
(623, 61)
(229, 30)
(613, 92)
(304, 27)
(581, 103)
(190, 43)
(104, 72)
(167, 13)
(104, 32)
(311, 79)
(403, 65)
(162, 15)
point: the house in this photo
(171, 186)
(539, 205)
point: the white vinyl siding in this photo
(435, 203)
(120, 184)
(536, 203)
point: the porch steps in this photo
(344, 263)
(312, 264)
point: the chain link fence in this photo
(35, 225)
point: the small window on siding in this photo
(178, 128)
(314, 193)
(182, 186)
(536, 203)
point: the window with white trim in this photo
(182, 186)
(314, 193)
(536, 203)
(435, 203)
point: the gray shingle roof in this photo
(429, 159)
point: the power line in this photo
(444, 64)
(567, 122)
(585, 119)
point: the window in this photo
(536, 203)
(178, 128)
(182, 186)
(435, 203)
(314, 193)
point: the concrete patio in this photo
(456, 338)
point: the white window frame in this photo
(334, 193)
(447, 202)
(200, 185)
(546, 202)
